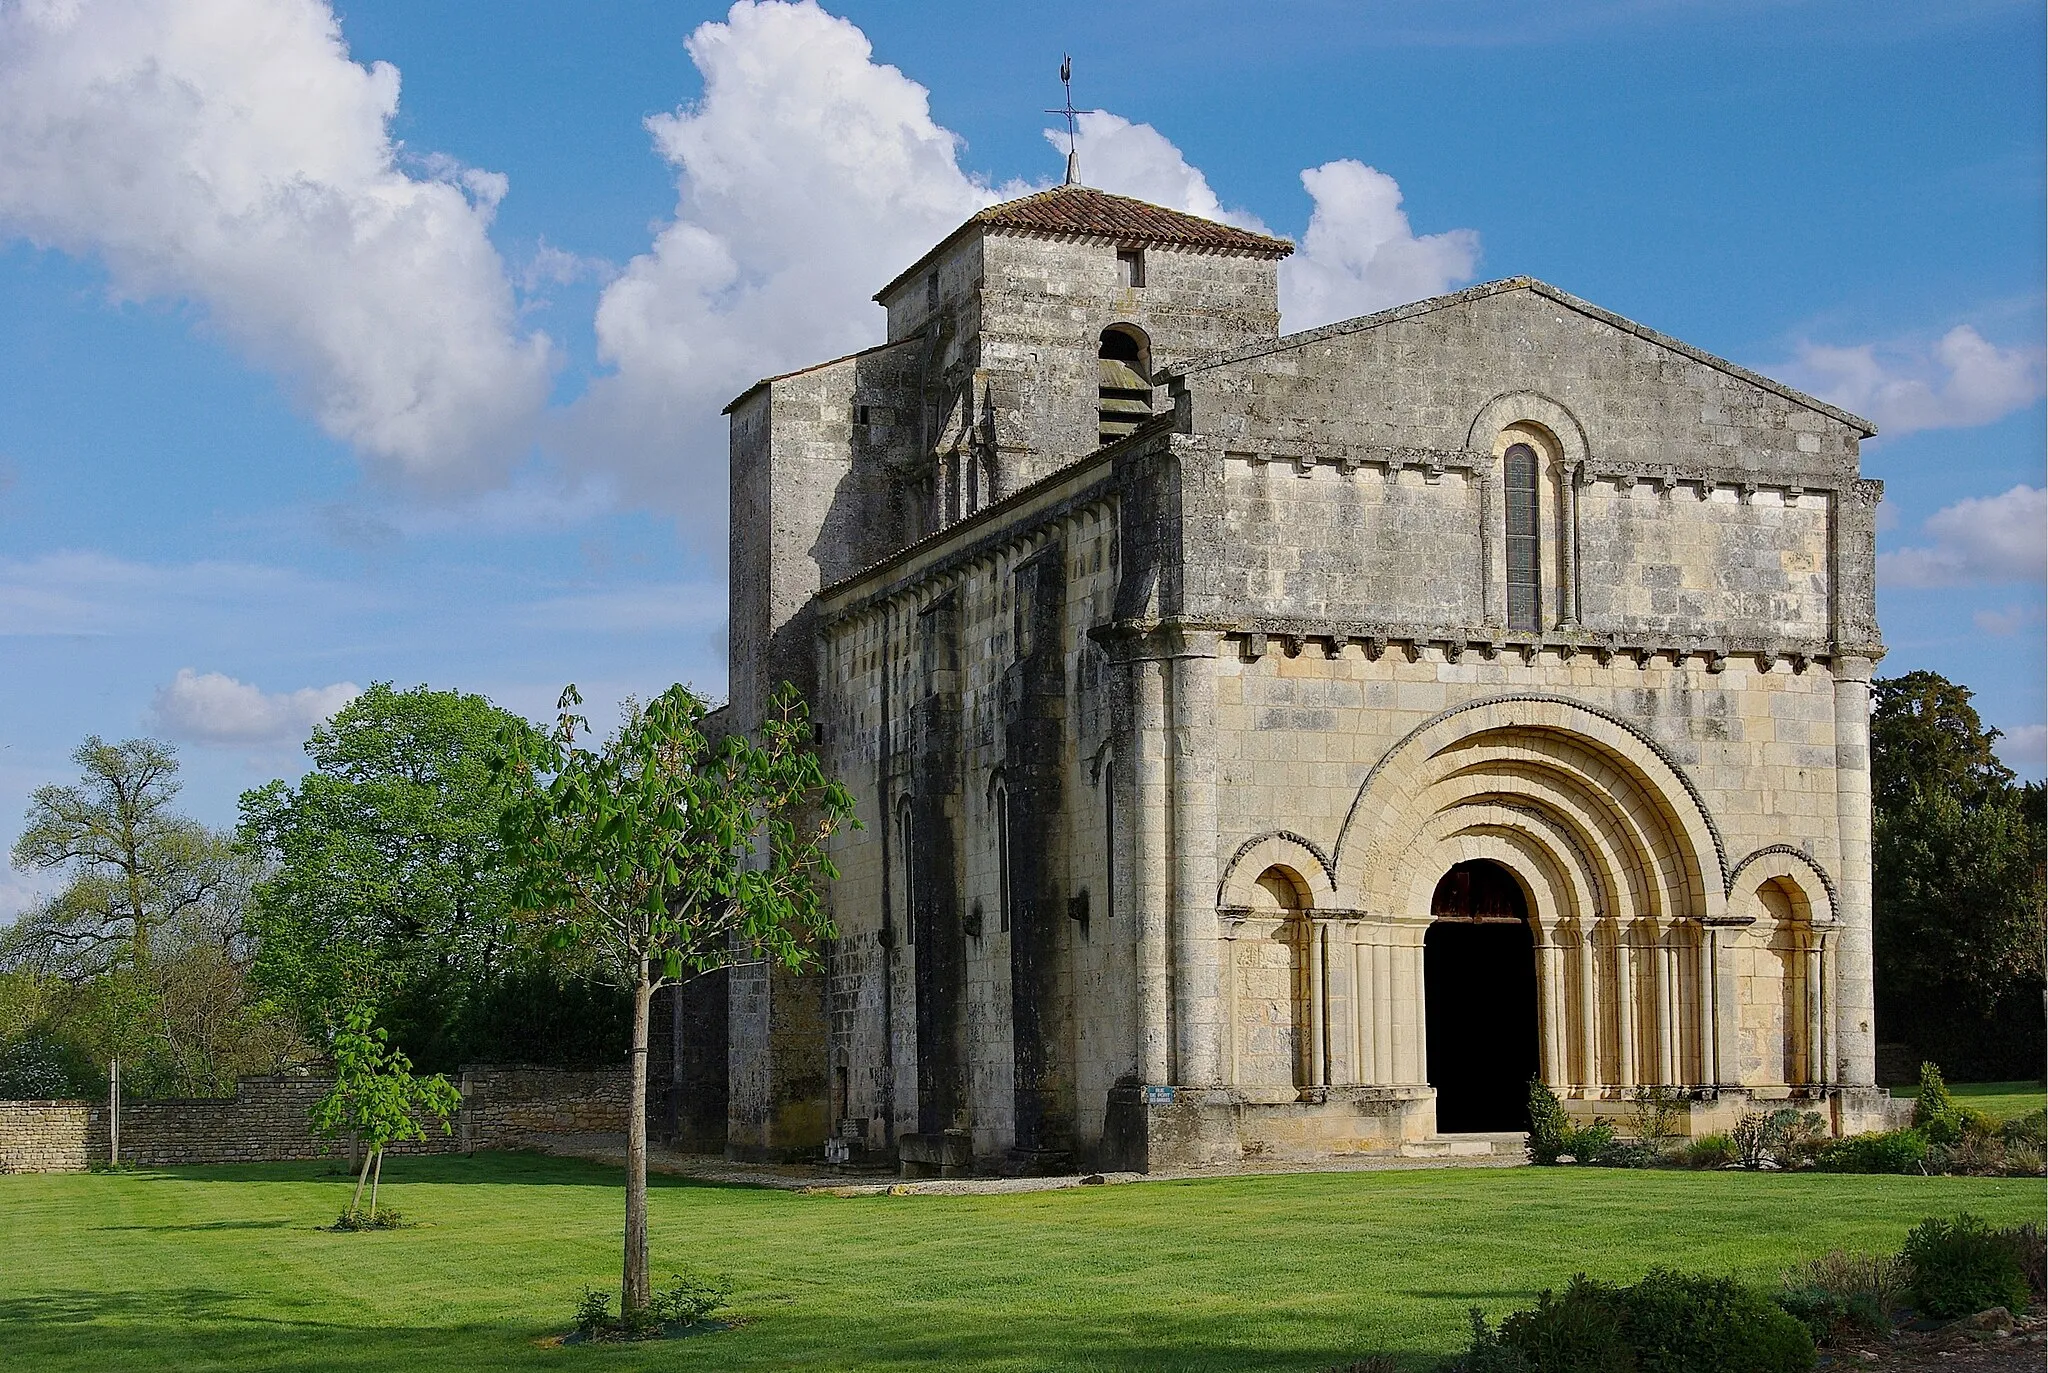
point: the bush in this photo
(390, 1218)
(686, 1302)
(1549, 1129)
(1888, 1151)
(1937, 1115)
(1716, 1150)
(1934, 1102)
(1667, 1323)
(1774, 1139)
(1963, 1266)
(2031, 1253)
(1656, 1114)
(2029, 1129)
(1845, 1293)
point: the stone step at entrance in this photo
(1486, 1144)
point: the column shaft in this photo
(1854, 1017)
(1149, 884)
(1196, 1003)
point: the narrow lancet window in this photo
(1125, 385)
(1525, 575)
(1002, 828)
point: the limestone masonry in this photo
(1288, 746)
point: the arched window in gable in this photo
(1520, 478)
(1124, 384)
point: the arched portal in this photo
(1479, 991)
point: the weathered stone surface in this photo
(1161, 755)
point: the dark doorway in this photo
(1479, 976)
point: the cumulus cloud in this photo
(214, 708)
(2002, 538)
(231, 153)
(1139, 161)
(807, 175)
(2025, 749)
(1360, 253)
(1961, 380)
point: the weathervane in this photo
(1067, 84)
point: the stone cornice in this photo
(1255, 638)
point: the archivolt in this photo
(1608, 795)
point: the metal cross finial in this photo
(1067, 84)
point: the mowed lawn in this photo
(223, 1268)
(1999, 1100)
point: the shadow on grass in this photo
(205, 1327)
(519, 1168)
(203, 1225)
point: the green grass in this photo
(222, 1267)
(1999, 1100)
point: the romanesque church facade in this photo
(1286, 747)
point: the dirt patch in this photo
(1990, 1343)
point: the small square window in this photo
(1130, 267)
(860, 414)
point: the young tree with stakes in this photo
(662, 856)
(376, 1098)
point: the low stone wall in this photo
(268, 1119)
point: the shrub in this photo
(1716, 1150)
(390, 1218)
(1888, 1151)
(2028, 1129)
(1763, 1139)
(1933, 1102)
(1691, 1323)
(2025, 1159)
(1549, 1129)
(687, 1301)
(1667, 1323)
(1655, 1114)
(1963, 1266)
(2031, 1253)
(1579, 1332)
(1590, 1143)
(1842, 1293)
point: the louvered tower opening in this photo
(1124, 389)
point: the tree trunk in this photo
(634, 1289)
(376, 1178)
(361, 1178)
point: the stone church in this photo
(1286, 746)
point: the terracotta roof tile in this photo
(1085, 210)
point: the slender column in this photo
(1318, 1007)
(1710, 1005)
(1383, 1070)
(1589, 1010)
(1625, 1003)
(1667, 1010)
(1810, 1051)
(1361, 1009)
(1829, 999)
(1148, 869)
(1408, 1025)
(1196, 1008)
(1854, 1009)
(1231, 1013)
(1568, 583)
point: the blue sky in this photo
(307, 389)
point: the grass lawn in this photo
(1999, 1100)
(222, 1267)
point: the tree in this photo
(134, 864)
(663, 855)
(390, 882)
(1958, 896)
(376, 1098)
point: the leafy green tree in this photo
(663, 855)
(1959, 908)
(376, 1098)
(389, 881)
(133, 864)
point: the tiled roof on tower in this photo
(1083, 210)
(1077, 211)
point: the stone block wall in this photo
(268, 1119)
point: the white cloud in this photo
(91, 594)
(230, 153)
(213, 708)
(2024, 749)
(806, 175)
(2002, 538)
(1361, 255)
(1962, 380)
(2006, 620)
(636, 609)
(1138, 161)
